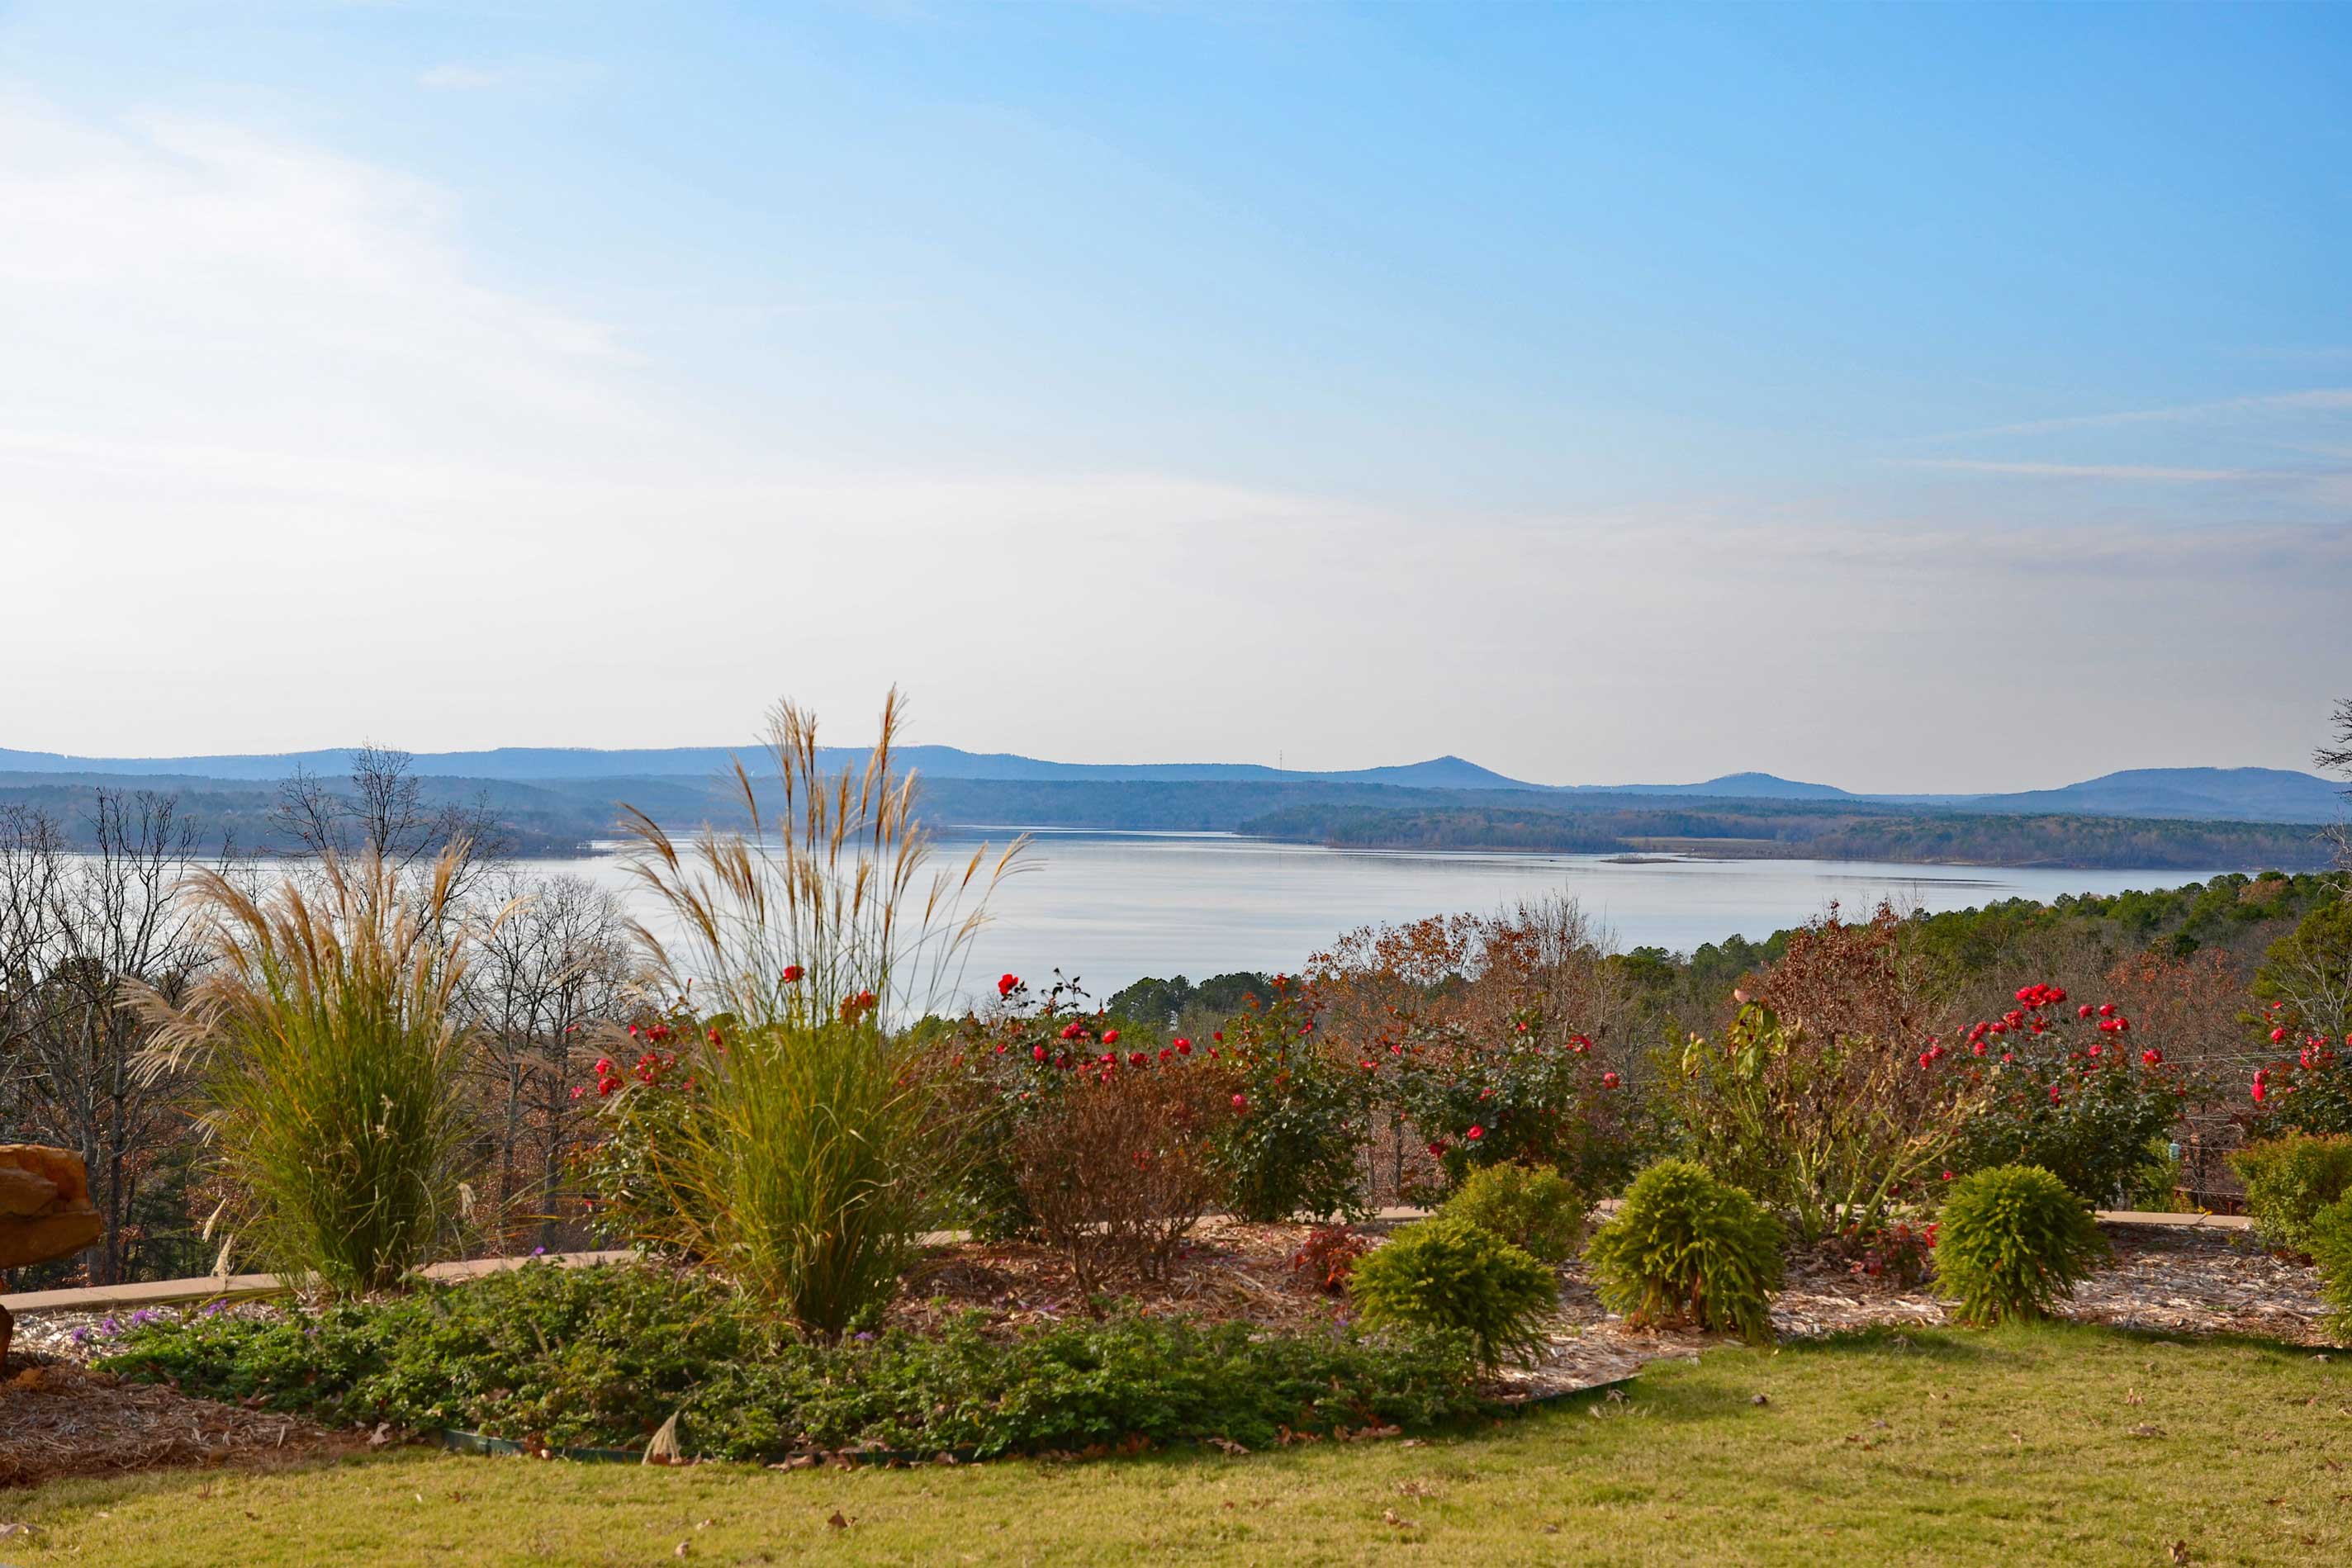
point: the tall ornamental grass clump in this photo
(1687, 1247)
(2289, 1180)
(2012, 1242)
(819, 1148)
(330, 1064)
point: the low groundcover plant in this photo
(603, 1356)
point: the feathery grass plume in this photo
(818, 1150)
(329, 1062)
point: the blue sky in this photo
(1910, 398)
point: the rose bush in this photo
(2073, 1091)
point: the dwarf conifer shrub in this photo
(1446, 1273)
(2289, 1180)
(1534, 1209)
(1686, 1247)
(2012, 1242)
(2331, 1248)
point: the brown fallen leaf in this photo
(1391, 1516)
(1227, 1445)
(2177, 1551)
(837, 1521)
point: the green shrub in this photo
(1533, 1209)
(1686, 1247)
(1446, 1273)
(1293, 1148)
(2013, 1241)
(330, 1065)
(2289, 1180)
(2331, 1248)
(601, 1357)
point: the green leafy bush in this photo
(1448, 1274)
(1686, 1247)
(2289, 1180)
(2012, 1242)
(1293, 1147)
(601, 1356)
(2331, 1248)
(1533, 1209)
(2072, 1091)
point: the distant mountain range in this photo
(2195, 794)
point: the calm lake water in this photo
(1110, 908)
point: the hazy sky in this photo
(1900, 397)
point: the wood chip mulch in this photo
(58, 1419)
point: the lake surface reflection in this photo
(1113, 907)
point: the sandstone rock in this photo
(44, 1207)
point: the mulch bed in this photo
(58, 1420)
(68, 1420)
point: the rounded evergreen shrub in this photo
(1446, 1273)
(1533, 1207)
(2012, 1242)
(2289, 1180)
(2331, 1248)
(1687, 1247)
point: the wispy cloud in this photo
(2314, 400)
(2123, 471)
(454, 76)
(479, 75)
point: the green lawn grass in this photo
(2059, 1444)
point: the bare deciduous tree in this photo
(542, 981)
(2337, 758)
(77, 931)
(384, 812)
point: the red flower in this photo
(2278, 1037)
(1241, 1101)
(1110, 1037)
(1609, 1081)
(2106, 1010)
(2151, 1056)
(1137, 1059)
(1947, 1175)
(1038, 1051)
(2259, 1091)
(1006, 984)
(604, 1064)
(1183, 1047)
(2083, 1011)
(1437, 1151)
(791, 973)
(1475, 1133)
